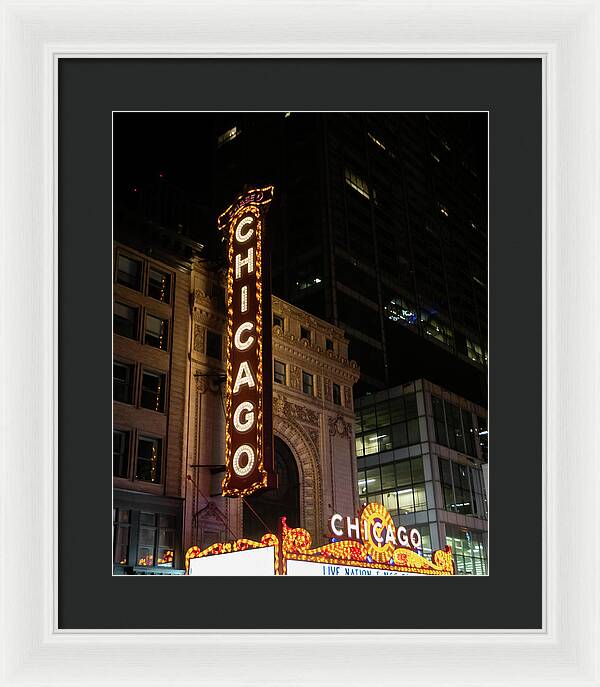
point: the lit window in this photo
(214, 345)
(156, 540)
(435, 157)
(436, 330)
(357, 184)
(399, 310)
(337, 395)
(444, 210)
(286, 115)
(125, 320)
(376, 141)
(121, 525)
(475, 352)
(279, 372)
(129, 272)
(153, 391)
(159, 285)
(157, 332)
(228, 136)
(308, 283)
(149, 456)
(122, 382)
(307, 383)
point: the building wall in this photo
(317, 427)
(140, 493)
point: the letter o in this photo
(415, 538)
(240, 470)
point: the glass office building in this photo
(420, 452)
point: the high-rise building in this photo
(421, 452)
(380, 227)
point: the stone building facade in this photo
(313, 419)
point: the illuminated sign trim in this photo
(249, 462)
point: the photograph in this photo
(300, 343)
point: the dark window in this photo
(279, 372)
(149, 456)
(121, 526)
(328, 345)
(463, 489)
(278, 321)
(307, 383)
(159, 285)
(213, 345)
(125, 320)
(337, 395)
(156, 540)
(305, 333)
(157, 332)
(153, 391)
(129, 272)
(483, 437)
(122, 382)
(120, 453)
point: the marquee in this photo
(290, 552)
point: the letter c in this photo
(237, 339)
(334, 518)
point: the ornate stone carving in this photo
(294, 411)
(328, 393)
(337, 425)
(319, 387)
(199, 334)
(347, 397)
(295, 376)
(201, 299)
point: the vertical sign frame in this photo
(249, 456)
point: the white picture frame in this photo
(565, 35)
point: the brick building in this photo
(168, 415)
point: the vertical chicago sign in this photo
(249, 459)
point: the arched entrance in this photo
(270, 505)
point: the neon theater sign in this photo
(249, 460)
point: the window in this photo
(454, 427)
(125, 320)
(129, 272)
(337, 395)
(156, 540)
(399, 486)
(153, 391)
(463, 488)
(475, 352)
(121, 527)
(149, 456)
(328, 345)
(307, 383)
(357, 184)
(120, 453)
(279, 372)
(482, 431)
(305, 333)
(214, 346)
(468, 549)
(159, 285)
(157, 332)
(229, 135)
(122, 382)
(278, 322)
